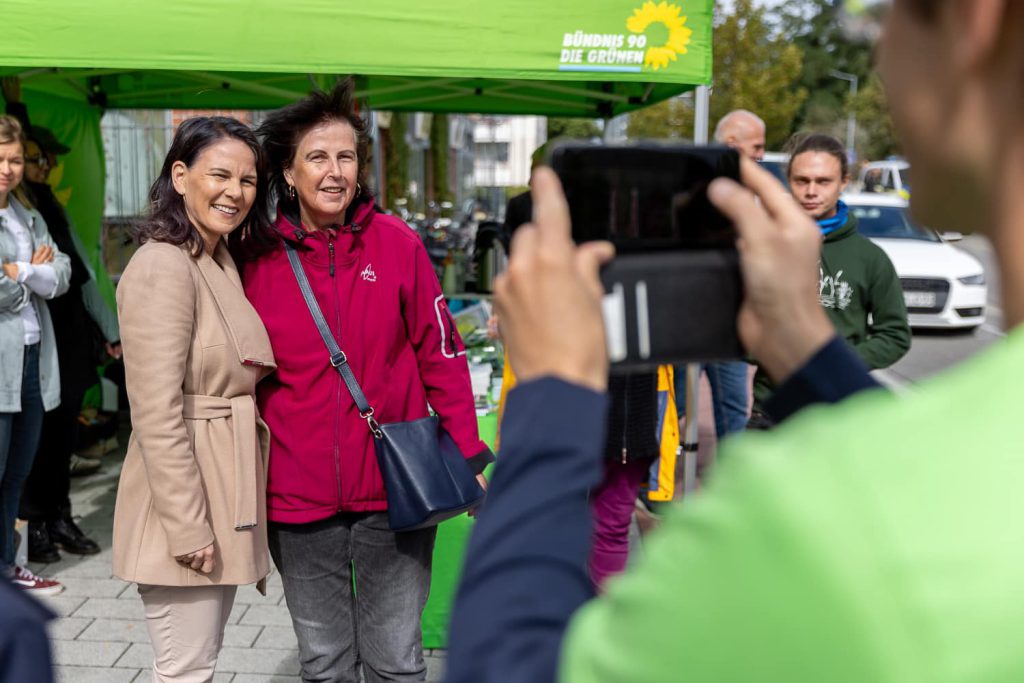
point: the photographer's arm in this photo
(525, 573)
(832, 374)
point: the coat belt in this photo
(242, 411)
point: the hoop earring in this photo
(359, 190)
(291, 192)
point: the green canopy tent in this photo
(584, 58)
(577, 58)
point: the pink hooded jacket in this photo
(377, 289)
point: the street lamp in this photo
(851, 118)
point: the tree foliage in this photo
(876, 137)
(572, 128)
(755, 67)
(668, 120)
(811, 25)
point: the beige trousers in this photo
(186, 629)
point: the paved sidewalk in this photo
(101, 634)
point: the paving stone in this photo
(120, 630)
(267, 615)
(146, 675)
(68, 628)
(238, 610)
(89, 566)
(242, 636)
(92, 587)
(87, 653)
(89, 674)
(63, 605)
(112, 608)
(262, 678)
(435, 667)
(280, 637)
(266, 661)
(137, 656)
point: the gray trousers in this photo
(376, 624)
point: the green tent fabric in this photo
(575, 58)
(78, 179)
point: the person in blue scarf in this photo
(857, 284)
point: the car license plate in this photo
(920, 299)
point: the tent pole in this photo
(690, 432)
(702, 111)
(690, 436)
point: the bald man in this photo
(744, 131)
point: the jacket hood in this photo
(849, 228)
(358, 217)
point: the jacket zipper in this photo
(625, 422)
(337, 410)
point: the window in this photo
(494, 152)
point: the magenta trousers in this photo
(612, 503)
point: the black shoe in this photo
(40, 545)
(68, 537)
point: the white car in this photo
(892, 176)
(943, 287)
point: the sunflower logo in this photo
(678, 34)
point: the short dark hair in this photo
(817, 142)
(282, 130)
(167, 220)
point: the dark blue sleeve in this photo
(24, 647)
(526, 564)
(832, 374)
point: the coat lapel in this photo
(241, 320)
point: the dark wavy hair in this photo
(167, 221)
(817, 142)
(282, 130)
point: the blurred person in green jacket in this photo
(876, 540)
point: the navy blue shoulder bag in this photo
(425, 475)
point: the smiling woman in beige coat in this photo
(190, 519)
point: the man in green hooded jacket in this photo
(857, 284)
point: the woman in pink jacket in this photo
(326, 503)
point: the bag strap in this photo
(338, 358)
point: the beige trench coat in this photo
(195, 472)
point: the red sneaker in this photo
(35, 585)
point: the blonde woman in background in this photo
(34, 270)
